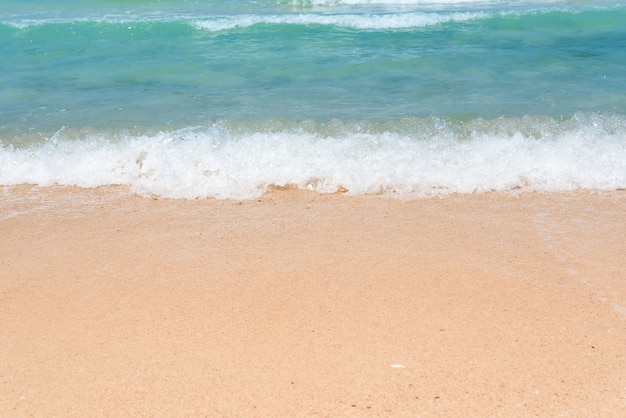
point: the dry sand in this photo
(299, 304)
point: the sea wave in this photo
(351, 17)
(353, 21)
(379, 21)
(440, 3)
(409, 158)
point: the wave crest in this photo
(409, 158)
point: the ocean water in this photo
(408, 98)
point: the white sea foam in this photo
(436, 158)
(354, 21)
(417, 13)
(384, 2)
(307, 12)
(301, 3)
(377, 21)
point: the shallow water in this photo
(412, 98)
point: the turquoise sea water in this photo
(223, 98)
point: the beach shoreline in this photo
(300, 304)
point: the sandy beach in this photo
(300, 304)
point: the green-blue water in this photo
(99, 68)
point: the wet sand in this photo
(299, 304)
